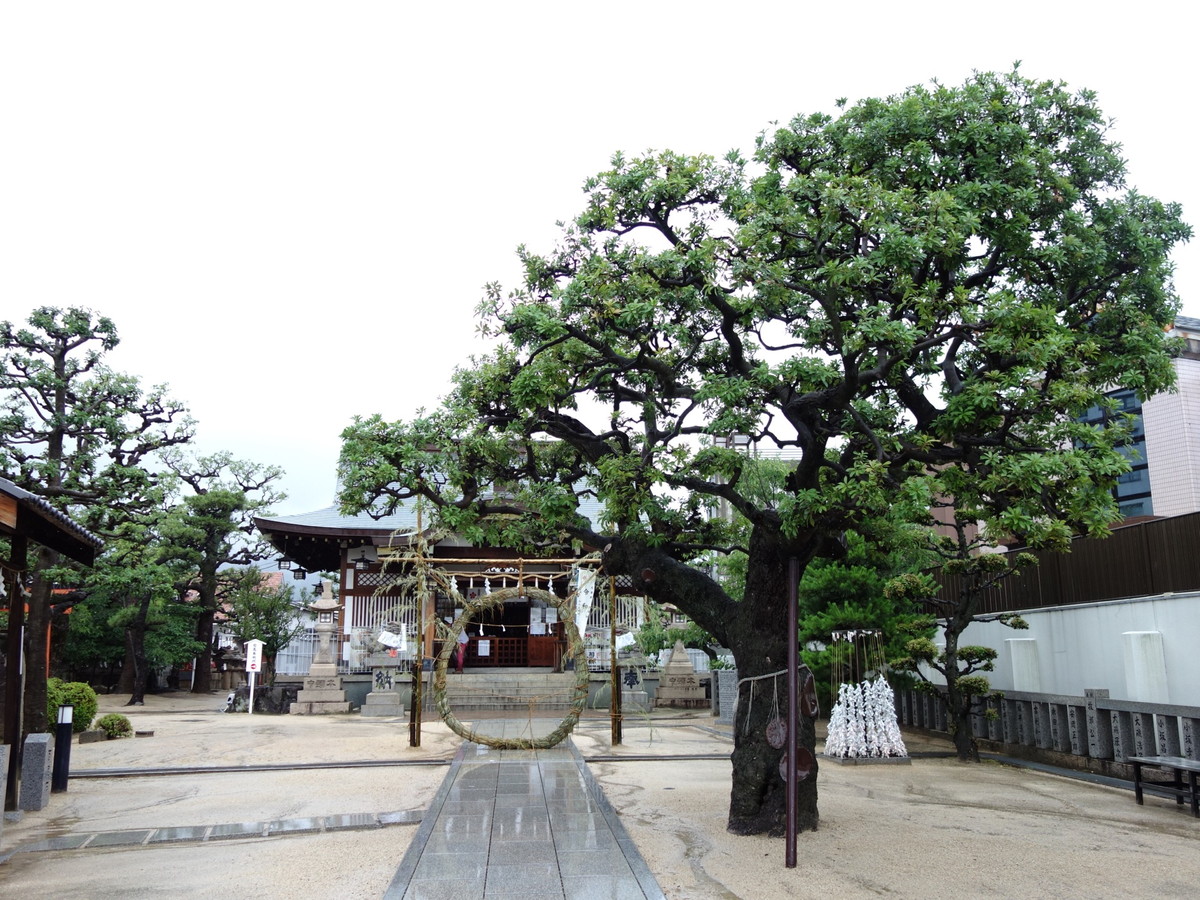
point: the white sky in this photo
(290, 208)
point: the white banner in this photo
(586, 579)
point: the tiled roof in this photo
(404, 521)
(1187, 323)
(57, 530)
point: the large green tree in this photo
(264, 609)
(135, 587)
(79, 435)
(215, 529)
(942, 278)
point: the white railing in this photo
(631, 613)
(296, 657)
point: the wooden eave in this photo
(25, 514)
(318, 548)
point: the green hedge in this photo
(81, 695)
(115, 725)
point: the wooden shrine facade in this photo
(380, 566)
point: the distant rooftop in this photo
(1187, 323)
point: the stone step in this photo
(510, 690)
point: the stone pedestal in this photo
(680, 685)
(322, 693)
(384, 699)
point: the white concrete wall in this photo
(1086, 646)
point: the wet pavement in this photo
(521, 823)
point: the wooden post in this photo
(15, 686)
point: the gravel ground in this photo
(928, 830)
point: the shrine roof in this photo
(27, 514)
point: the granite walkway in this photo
(521, 823)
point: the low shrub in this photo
(115, 725)
(80, 695)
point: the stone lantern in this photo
(322, 691)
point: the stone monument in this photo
(385, 698)
(322, 691)
(633, 690)
(680, 685)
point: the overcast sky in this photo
(290, 208)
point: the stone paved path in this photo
(521, 823)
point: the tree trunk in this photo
(125, 679)
(755, 629)
(36, 644)
(135, 653)
(759, 640)
(204, 634)
(958, 707)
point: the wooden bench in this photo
(1182, 784)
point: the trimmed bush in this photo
(76, 693)
(115, 725)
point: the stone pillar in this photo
(1099, 726)
(1060, 727)
(1145, 666)
(1011, 720)
(995, 723)
(4, 749)
(1124, 745)
(1143, 734)
(36, 769)
(727, 680)
(1168, 735)
(1077, 723)
(1041, 727)
(1026, 730)
(1191, 738)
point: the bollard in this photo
(62, 749)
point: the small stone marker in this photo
(3, 781)
(36, 769)
(727, 687)
(633, 690)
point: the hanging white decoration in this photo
(862, 724)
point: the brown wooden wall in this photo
(1155, 557)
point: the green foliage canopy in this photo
(935, 282)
